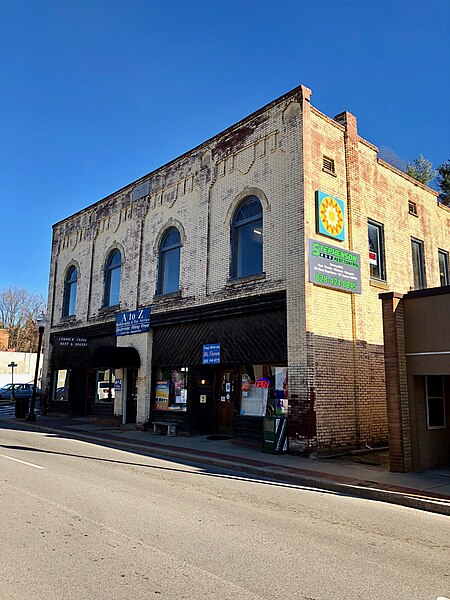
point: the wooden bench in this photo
(171, 427)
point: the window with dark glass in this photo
(70, 292)
(443, 268)
(247, 238)
(435, 402)
(112, 279)
(169, 262)
(61, 380)
(376, 251)
(170, 390)
(418, 264)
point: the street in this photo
(83, 521)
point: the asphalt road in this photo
(82, 521)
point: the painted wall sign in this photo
(334, 267)
(133, 321)
(211, 354)
(64, 341)
(330, 216)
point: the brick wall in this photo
(336, 366)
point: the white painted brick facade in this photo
(336, 369)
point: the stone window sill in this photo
(233, 281)
(106, 310)
(68, 319)
(171, 296)
(381, 285)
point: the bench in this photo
(171, 427)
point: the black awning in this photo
(115, 357)
(71, 358)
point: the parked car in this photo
(61, 393)
(103, 390)
(21, 390)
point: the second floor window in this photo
(113, 268)
(247, 238)
(443, 268)
(70, 292)
(169, 262)
(376, 251)
(418, 264)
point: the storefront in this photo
(221, 368)
(84, 363)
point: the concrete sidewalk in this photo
(363, 475)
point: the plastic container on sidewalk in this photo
(21, 409)
(275, 438)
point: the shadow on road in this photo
(248, 478)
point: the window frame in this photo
(420, 275)
(110, 266)
(173, 384)
(380, 253)
(444, 276)
(428, 397)
(70, 288)
(163, 251)
(236, 225)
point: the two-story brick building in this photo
(244, 280)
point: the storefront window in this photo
(264, 390)
(61, 385)
(105, 391)
(170, 391)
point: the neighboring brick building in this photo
(256, 240)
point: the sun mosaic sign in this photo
(330, 216)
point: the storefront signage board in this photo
(334, 267)
(64, 341)
(211, 354)
(330, 216)
(133, 321)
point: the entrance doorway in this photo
(131, 399)
(227, 391)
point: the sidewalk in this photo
(364, 475)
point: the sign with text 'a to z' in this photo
(133, 321)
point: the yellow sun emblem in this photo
(331, 216)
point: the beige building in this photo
(242, 280)
(417, 351)
(24, 369)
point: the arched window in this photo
(70, 292)
(247, 238)
(169, 262)
(112, 279)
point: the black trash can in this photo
(275, 435)
(21, 409)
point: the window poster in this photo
(162, 395)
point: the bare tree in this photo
(18, 311)
(390, 157)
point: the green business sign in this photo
(334, 267)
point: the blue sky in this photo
(96, 93)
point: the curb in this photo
(364, 490)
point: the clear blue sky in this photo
(96, 93)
